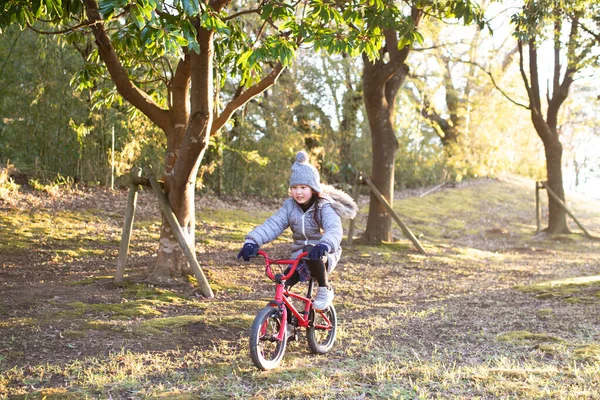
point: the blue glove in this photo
(318, 251)
(249, 250)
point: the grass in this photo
(578, 289)
(70, 234)
(222, 373)
(494, 311)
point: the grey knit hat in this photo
(303, 173)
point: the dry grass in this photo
(494, 311)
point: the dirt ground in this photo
(57, 292)
(36, 283)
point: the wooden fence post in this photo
(205, 288)
(538, 207)
(564, 206)
(355, 195)
(135, 174)
(385, 203)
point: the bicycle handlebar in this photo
(293, 263)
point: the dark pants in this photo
(317, 270)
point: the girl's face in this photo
(301, 193)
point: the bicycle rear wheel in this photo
(322, 330)
(266, 351)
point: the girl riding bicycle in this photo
(313, 214)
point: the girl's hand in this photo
(249, 250)
(318, 251)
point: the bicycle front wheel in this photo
(265, 349)
(322, 330)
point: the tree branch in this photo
(561, 90)
(556, 72)
(233, 16)
(498, 87)
(246, 96)
(534, 74)
(63, 31)
(523, 74)
(589, 31)
(138, 98)
(218, 5)
(438, 46)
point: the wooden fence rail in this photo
(136, 180)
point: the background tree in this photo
(187, 46)
(572, 50)
(54, 134)
(343, 76)
(317, 104)
(35, 111)
(453, 86)
(382, 79)
(462, 57)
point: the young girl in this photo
(313, 214)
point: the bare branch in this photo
(496, 85)
(522, 70)
(588, 30)
(557, 68)
(246, 96)
(233, 16)
(63, 31)
(443, 45)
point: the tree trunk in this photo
(547, 128)
(557, 215)
(348, 126)
(180, 182)
(379, 97)
(381, 82)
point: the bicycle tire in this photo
(320, 340)
(265, 350)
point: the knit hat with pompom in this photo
(303, 173)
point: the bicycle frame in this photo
(283, 296)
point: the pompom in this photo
(301, 156)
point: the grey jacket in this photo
(327, 228)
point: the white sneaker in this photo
(323, 299)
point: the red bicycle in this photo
(269, 333)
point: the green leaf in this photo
(243, 60)
(37, 7)
(418, 37)
(27, 16)
(180, 40)
(214, 23)
(138, 18)
(145, 35)
(191, 7)
(107, 9)
(266, 11)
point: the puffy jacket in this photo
(305, 230)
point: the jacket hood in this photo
(340, 201)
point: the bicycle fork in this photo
(278, 303)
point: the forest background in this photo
(56, 135)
